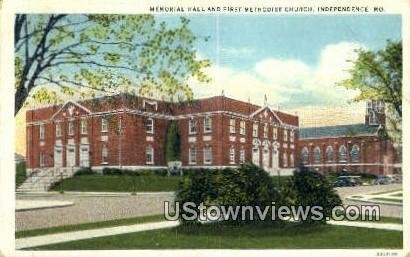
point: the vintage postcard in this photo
(207, 129)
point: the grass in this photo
(262, 235)
(118, 183)
(78, 227)
(20, 173)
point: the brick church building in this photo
(351, 148)
(130, 131)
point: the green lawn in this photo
(249, 236)
(78, 227)
(119, 183)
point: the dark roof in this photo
(338, 131)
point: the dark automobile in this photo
(347, 181)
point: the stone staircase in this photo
(40, 180)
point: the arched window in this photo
(329, 154)
(285, 160)
(372, 117)
(355, 153)
(342, 153)
(292, 160)
(316, 154)
(104, 154)
(305, 155)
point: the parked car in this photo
(383, 180)
(347, 181)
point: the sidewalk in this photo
(29, 242)
(385, 226)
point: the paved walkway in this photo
(29, 242)
(89, 207)
(386, 226)
(25, 205)
(387, 210)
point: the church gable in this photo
(70, 109)
(265, 114)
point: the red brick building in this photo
(352, 148)
(129, 132)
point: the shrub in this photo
(112, 171)
(84, 171)
(309, 188)
(172, 143)
(247, 185)
(20, 173)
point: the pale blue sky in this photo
(288, 36)
(294, 59)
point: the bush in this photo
(247, 185)
(309, 188)
(112, 171)
(20, 173)
(84, 171)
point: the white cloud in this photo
(285, 80)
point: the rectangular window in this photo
(192, 155)
(149, 155)
(285, 135)
(232, 126)
(42, 159)
(265, 130)
(104, 154)
(207, 124)
(232, 155)
(292, 136)
(242, 156)
(192, 126)
(242, 129)
(84, 127)
(255, 130)
(71, 127)
(42, 132)
(208, 155)
(104, 124)
(275, 133)
(58, 129)
(149, 125)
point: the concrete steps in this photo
(42, 179)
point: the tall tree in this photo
(60, 54)
(377, 75)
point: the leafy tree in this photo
(378, 76)
(83, 55)
(309, 188)
(173, 143)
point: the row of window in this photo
(149, 155)
(342, 154)
(149, 128)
